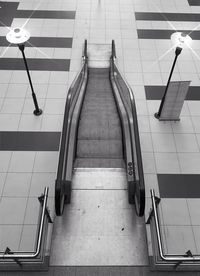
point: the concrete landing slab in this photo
(99, 227)
(99, 178)
(99, 55)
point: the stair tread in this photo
(99, 163)
(99, 148)
(99, 131)
(100, 128)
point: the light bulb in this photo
(18, 36)
(181, 40)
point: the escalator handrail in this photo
(85, 56)
(64, 140)
(69, 100)
(62, 189)
(113, 50)
(74, 125)
(138, 165)
(138, 161)
(124, 124)
(63, 143)
(135, 124)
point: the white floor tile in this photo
(5, 157)
(175, 211)
(189, 162)
(146, 142)
(9, 204)
(185, 125)
(151, 182)
(52, 122)
(9, 122)
(27, 242)
(148, 160)
(12, 106)
(2, 182)
(10, 237)
(17, 90)
(22, 161)
(17, 185)
(46, 162)
(167, 163)
(186, 143)
(41, 180)
(163, 142)
(179, 239)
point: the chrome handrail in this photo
(168, 257)
(67, 107)
(32, 255)
(136, 142)
(132, 101)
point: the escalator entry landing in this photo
(100, 126)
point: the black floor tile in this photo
(163, 16)
(45, 14)
(164, 34)
(179, 185)
(54, 42)
(156, 93)
(7, 13)
(29, 141)
(48, 42)
(194, 2)
(35, 64)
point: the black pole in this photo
(37, 110)
(177, 53)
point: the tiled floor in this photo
(142, 43)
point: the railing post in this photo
(187, 254)
(41, 200)
(9, 252)
(157, 200)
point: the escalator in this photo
(100, 129)
(99, 141)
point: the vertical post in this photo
(37, 110)
(177, 53)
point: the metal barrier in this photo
(138, 166)
(8, 254)
(61, 185)
(171, 258)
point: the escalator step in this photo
(99, 128)
(99, 163)
(99, 131)
(99, 71)
(99, 149)
(105, 114)
(101, 117)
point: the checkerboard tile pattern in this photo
(169, 148)
(27, 167)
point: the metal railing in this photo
(64, 140)
(140, 189)
(175, 258)
(62, 146)
(8, 254)
(113, 50)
